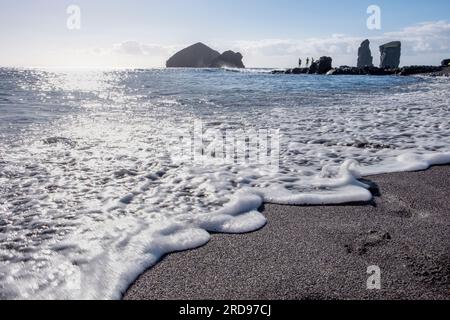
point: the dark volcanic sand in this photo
(323, 252)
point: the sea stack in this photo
(445, 63)
(365, 58)
(196, 56)
(390, 55)
(228, 59)
(322, 66)
(200, 55)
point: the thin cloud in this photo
(425, 37)
(423, 43)
(432, 38)
(140, 49)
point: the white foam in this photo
(408, 162)
(238, 216)
(249, 70)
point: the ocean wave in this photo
(249, 70)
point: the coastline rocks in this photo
(313, 68)
(445, 63)
(390, 61)
(407, 71)
(365, 58)
(292, 71)
(355, 71)
(200, 55)
(281, 71)
(374, 71)
(390, 55)
(322, 66)
(228, 59)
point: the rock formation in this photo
(292, 71)
(365, 58)
(390, 55)
(411, 70)
(390, 61)
(228, 59)
(195, 56)
(202, 56)
(445, 63)
(355, 71)
(322, 66)
(313, 67)
(374, 71)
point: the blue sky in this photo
(143, 33)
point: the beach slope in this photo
(323, 252)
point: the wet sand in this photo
(323, 252)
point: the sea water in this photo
(90, 194)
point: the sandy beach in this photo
(323, 252)
(213, 151)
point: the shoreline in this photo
(322, 252)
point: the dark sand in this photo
(323, 252)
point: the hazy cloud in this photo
(425, 37)
(140, 49)
(432, 38)
(423, 43)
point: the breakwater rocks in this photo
(322, 66)
(372, 71)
